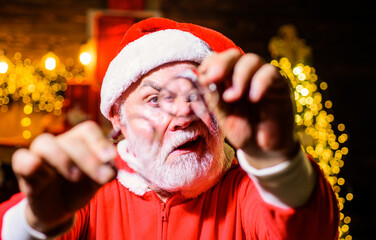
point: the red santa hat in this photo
(151, 43)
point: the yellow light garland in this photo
(315, 128)
(319, 135)
(40, 86)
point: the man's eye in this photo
(153, 100)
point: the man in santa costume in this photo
(194, 185)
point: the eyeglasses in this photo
(183, 96)
(180, 96)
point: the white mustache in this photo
(181, 137)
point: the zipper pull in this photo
(164, 215)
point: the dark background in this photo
(340, 33)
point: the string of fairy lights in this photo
(38, 85)
(320, 136)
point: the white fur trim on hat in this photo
(143, 55)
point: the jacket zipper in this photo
(164, 220)
(163, 215)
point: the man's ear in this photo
(115, 120)
(115, 123)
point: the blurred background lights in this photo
(3, 67)
(85, 58)
(302, 77)
(25, 122)
(26, 134)
(320, 136)
(50, 63)
(304, 92)
(34, 91)
(297, 70)
(28, 109)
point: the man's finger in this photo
(47, 148)
(244, 69)
(32, 174)
(81, 151)
(264, 79)
(93, 136)
(217, 66)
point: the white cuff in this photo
(15, 225)
(285, 185)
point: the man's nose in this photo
(179, 123)
(182, 107)
(183, 114)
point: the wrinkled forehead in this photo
(158, 77)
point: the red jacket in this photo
(232, 209)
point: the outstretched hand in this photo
(59, 175)
(256, 110)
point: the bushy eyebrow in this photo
(151, 84)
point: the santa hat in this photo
(151, 43)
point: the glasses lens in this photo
(142, 136)
(183, 96)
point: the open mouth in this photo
(190, 144)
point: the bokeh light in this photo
(50, 63)
(3, 67)
(85, 58)
(38, 86)
(320, 135)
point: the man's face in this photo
(186, 146)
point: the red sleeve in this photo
(317, 219)
(16, 198)
(77, 231)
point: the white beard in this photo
(186, 173)
(191, 173)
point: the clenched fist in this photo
(255, 111)
(61, 174)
